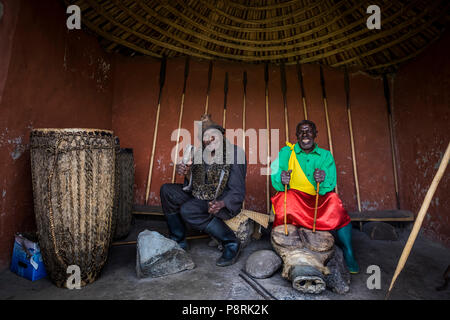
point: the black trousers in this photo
(192, 210)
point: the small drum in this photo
(73, 188)
(125, 193)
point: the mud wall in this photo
(422, 117)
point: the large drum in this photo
(125, 193)
(73, 188)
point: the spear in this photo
(244, 82)
(283, 89)
(266, 80)
(210, 70)
(420, 216)
(352, 142)
(325, 105)
(302, 88)
(186, 73)
(162, 78)
(286, 124)
(387, 95)
(225, 93)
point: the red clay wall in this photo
(135, 103)
(422, 116)
(49, 77)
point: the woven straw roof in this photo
(328, 32)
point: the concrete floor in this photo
(420, 277)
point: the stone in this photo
(339, 278)
(378, 230)
(158, 256)
(263, 264)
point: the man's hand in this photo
(215, 206)
(183, 169)
(319, 175)
(285, 177)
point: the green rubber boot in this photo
(344, 236)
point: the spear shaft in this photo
(302, 88)
(162, 78)
(325, 105)
(186, 74)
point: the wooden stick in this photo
(225, 94)
(162, 77)
(283, 90)
(244, 82)
(210, 70)
(286, 124)
(420, 217)
(186, 73)
(285, 212)
(123, 243)
(325, 105)
(352, 142)
(315, 208)
(302, 88)
(266, 79)
(387, 95)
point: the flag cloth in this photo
(331, 214)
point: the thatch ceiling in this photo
(328, 32)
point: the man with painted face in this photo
(301, 166)
(214, 191)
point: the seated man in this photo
(301, 167)
(217, 192)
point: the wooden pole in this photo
(186, 73)
(210, 70)
(387, 95)
(286, 124)
(162, 77)
(325, 105)
(315, 208)
(225, 94)
(244, 82)
(266, 79)
(352, 142)
(284, 89)
(124, 243)
(302, 88)
(420, 217)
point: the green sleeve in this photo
(329, 167)
(280, 164)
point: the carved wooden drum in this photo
(73, 188)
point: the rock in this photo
(378, 230)
(339, 278)
(159, 256)
(263, 264)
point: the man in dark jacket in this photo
(214, 191)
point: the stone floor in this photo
(422, 274)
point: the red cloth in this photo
(331, 214)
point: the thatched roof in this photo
(328, 32)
